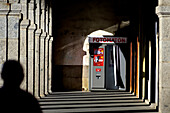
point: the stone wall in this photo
(26, 36)
(163, 11)
(73, 21)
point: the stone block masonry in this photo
(163, 12)
(23, 32)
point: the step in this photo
(90, 105)
(113, 101)
(88, 102)
(89, 99)
(100, 109)
(87, 96)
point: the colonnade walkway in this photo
(110, 101)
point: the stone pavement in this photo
(112, 101)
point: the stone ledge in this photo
(163, 11)
(32, 27)
(31, 5)
(13, 1)
(164, 88)
(16, 7)
(23, 1)
(51, 39)
(38, 32)
(43, 35)
(47, 38)
(4, 8)
(25, 23)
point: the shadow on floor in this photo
(77, 101)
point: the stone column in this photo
(47, 49)
(31, 49)
(38, 33)
(4, 10)
(37, 14)
(46, 19)
(50, 65)
(23, 42)
(13, 31)
(24, 11)
(46, 63)
(163, 11)
(50, 48)
(37, 62)
(43, 16)
(50, 19)
(23, 50)
(42, 64)
(43, 78)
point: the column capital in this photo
(51, 39)
(31, 5)
(15, 9)
(43, 4)
(23, 1)
(4, 8)
(44, 34)
(37, 1)
(32, 27)
(38, 32)
(13, 1)
(25, 23)
(47, 38)
(163, 11)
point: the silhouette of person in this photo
(12, 98)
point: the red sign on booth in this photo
(98, 69)
(98, 59)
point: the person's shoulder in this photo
(3, 91)
(29, 97)
(0, 90)
(33, 103)
(26, 94)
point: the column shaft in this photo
(50, 65)
(4, 9)
(23, 51)
(37, 62)
(13, 31)
(46, 63)
(31, 67)
(42, 64)
(164, 58)
(31, 49)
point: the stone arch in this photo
(85, 73)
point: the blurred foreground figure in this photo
(12, 98)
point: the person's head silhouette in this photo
(12, 74)
(12, 97)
